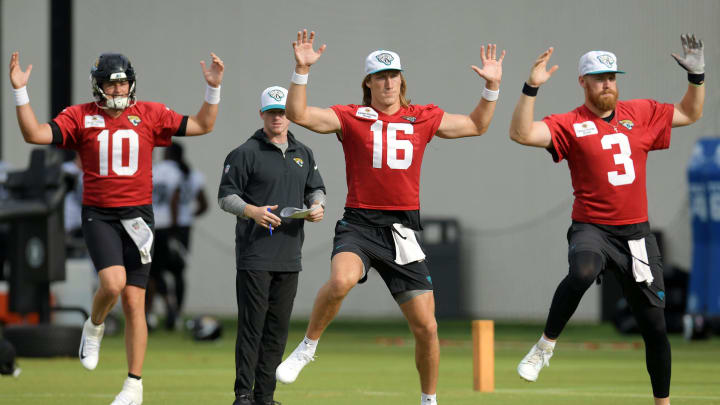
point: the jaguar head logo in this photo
(606, 60)
(276, 94)
(385, 58)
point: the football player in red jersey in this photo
(606, 143)
(115, 136)
(383, 140)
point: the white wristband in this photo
(212, 94)
(490, 95)
(21, 96)
(299, 79)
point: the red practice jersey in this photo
(116, 153)
(607, 159)
(383, 154)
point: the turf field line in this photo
(561, 392)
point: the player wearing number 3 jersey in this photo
(606, 143)
(384, 140)
(115, 136)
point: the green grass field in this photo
(372, 363)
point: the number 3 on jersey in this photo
(621, 158)
(117, 149)
(393, 145)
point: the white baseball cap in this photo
(273, 98)
(596, 62)
(382, 60)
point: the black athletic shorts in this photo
(615, 251)
(376, 249)
(109, 245)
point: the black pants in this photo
(265, 301)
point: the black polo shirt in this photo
(258, 172)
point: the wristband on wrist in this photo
(696, 78)
(490, 95)
(212, 94)
(529, 90)
(299, 79)
(21, 96)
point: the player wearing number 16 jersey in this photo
(115, 136)
(606, 143)
(384, 140)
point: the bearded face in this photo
(601, 91)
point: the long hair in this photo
(367, 95)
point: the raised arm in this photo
(322, 120)
(690, 108)
(523, 129)
(204, 121)
(477, 123)
(32, 130)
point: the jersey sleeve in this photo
(659, 122)
(342, 112)
(560, 135)
(235, 174)
(168, 123)
(68, 121)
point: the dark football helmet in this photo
(112, 67)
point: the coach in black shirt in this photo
(269, 172)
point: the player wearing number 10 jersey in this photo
(115, 137)
(384, 141)
(606, 143)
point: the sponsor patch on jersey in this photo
(299, 161)
(366, 112)
(94, 121)
(134, 119)
(409, 118)
(585, 128)
(627, 124)
(227, 168)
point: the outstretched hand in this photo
(18, 77)
(305, 55)
(539, 73)
(491, 67)
(214, 74)
(693, 59)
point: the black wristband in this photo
(529, 90)
(696, 78)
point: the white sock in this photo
(426, 399)
(310, 345)
(545, 344)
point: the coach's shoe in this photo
(90, 344)
(287, 372)
(533, 362)
(131, 393)
(244, 399)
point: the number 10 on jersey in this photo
(393, 145)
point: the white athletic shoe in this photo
(90, 344)
(287, 372)
(533, 362)
(131, 394)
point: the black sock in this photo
(137, 377)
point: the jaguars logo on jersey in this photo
(627, 124)
(276, 94)
(606, 60)
(385, 58)
(134, 119)
(299, 161)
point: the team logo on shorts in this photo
(299, 161)
(385, 58)
(227, 169)
(606, 60)
(627, 124)
(276, 94)
(134, 119)
(409, 118)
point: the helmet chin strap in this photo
(116, 102)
